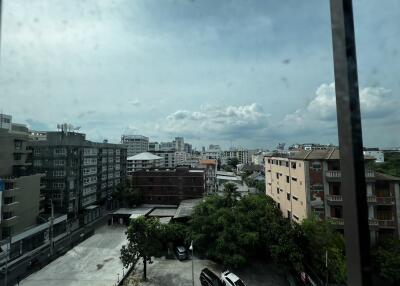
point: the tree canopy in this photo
(322, 239)
(252, 227)
(145, 239)
(386, 256)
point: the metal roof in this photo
(145, 156)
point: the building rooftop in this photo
(145, 156)
(163, 212)
(186, 208)
(208, 162)
(385, 177)
(325, 154)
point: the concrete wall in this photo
(296, 187)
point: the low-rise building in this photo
(141, 161)
(169, 186)
(375, 153)
(308, 182)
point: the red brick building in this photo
(169, 186)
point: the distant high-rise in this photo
(179, 144)
(135, 144)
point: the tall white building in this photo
(135, 144)
(179, 144)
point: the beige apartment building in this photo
(308, 182)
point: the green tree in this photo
(233, 162)
(145, 239)
(231, 194)
(391, 165)
(251, 228)
(127, 195)
(322, 238)
(386, 257)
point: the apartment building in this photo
(154, 146)
(168, 158)
(308, 182)
(210, 167)
(169, 186)
(20, 199)
(141, 161)
(135, 144)
(79, 173)
(240, 153)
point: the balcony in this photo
(336, 175)
(332, 199)
(385, 200)
(373, 223)
(386, 223)
(10, 221)
(10, 207)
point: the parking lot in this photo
(95, 261)
(172, 272)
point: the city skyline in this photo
(183, 68)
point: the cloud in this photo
(134, 102)
(213, 122)
(377, 103)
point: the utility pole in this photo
(7, 257)
(51, 227)
(191, 248)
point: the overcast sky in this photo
(244, 73)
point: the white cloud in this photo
(228, 122)
(134, 102)
(320, 112)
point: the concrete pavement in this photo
(95, 261)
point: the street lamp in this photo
(191, 248)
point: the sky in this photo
(234, 73)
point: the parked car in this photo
(181, 252)
(209, 278)
(230, 279)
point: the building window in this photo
(295, 198)
(288, 197)
(277, 190)
(296, 217)
(60, 151)
(294, 179)
(59, 162)
(287, 179)
(277, 175)
(37, 163)
(18, 144)
(293, 165)
(36, 152)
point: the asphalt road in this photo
(95, 261)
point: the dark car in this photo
(209, 278)
(181, 252)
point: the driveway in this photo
(95, 261)
(172, 272)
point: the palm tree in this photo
(230, 194)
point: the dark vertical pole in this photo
(355, 208)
